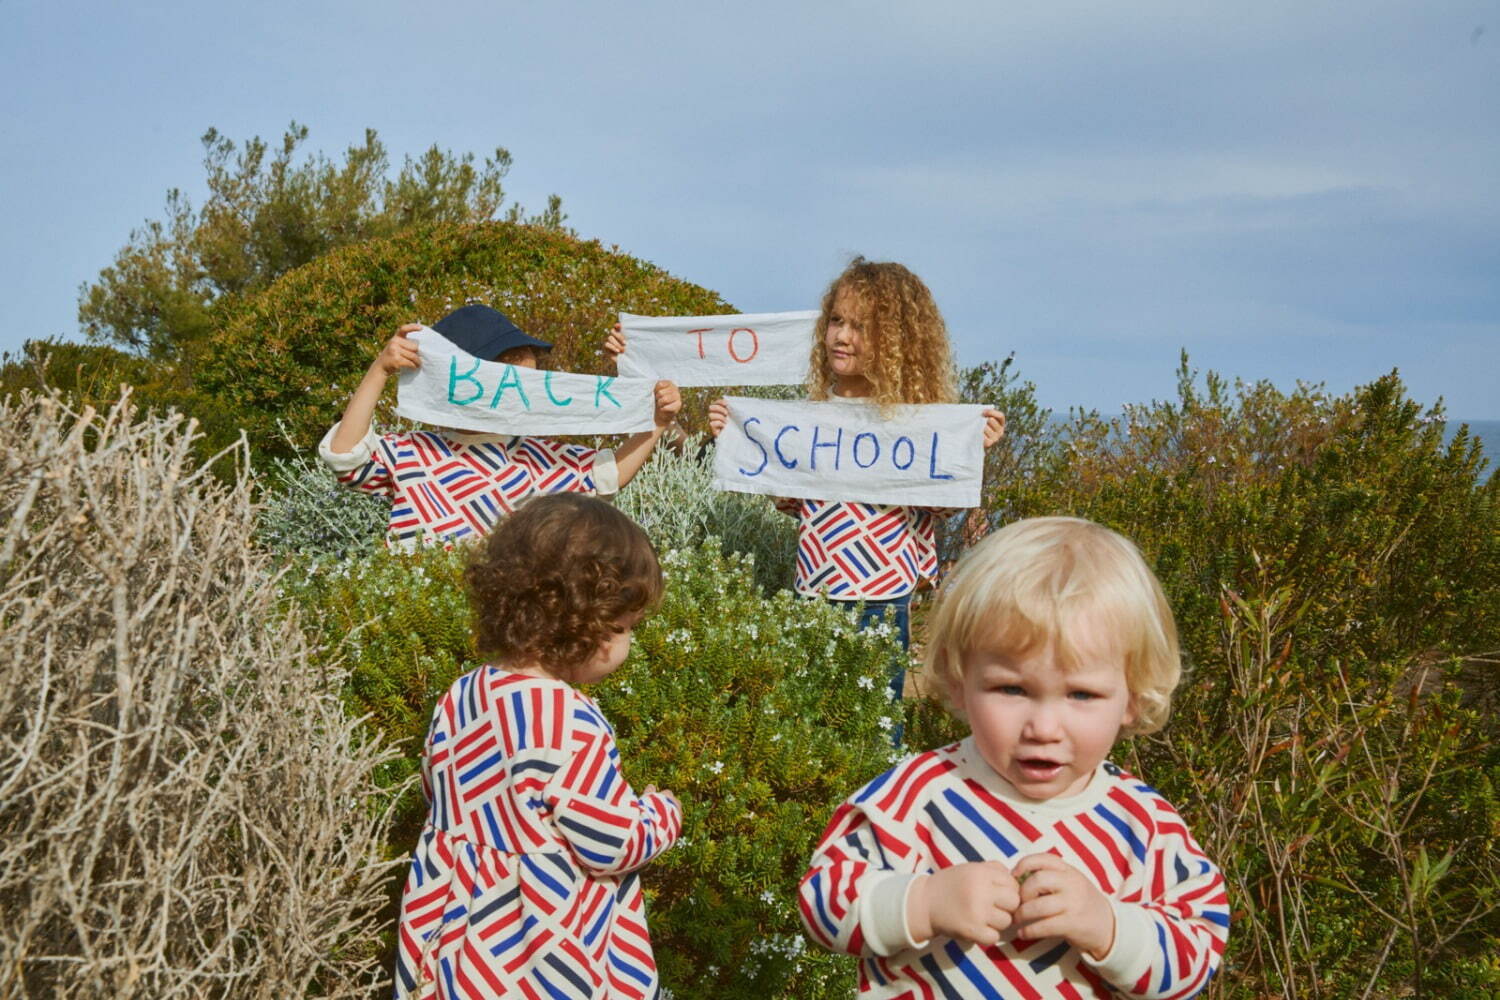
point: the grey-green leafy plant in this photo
(674, 498)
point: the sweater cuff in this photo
(606, 474)
(352, 459)
(882, 913)
(1129, 957)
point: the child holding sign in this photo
(1020, 862)
(524, 881)
(879, 339)
(447, 484)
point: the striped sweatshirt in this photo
(864, 551)
(946, 807)
(524, 880)
(449, 485)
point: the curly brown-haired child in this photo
(880, 339)
(525, 879)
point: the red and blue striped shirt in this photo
(864, 551)
(448, 486)
(524, 881)
(946, 807)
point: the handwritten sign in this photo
(454, 389)
(931, 456)
(746, 349)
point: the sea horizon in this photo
(1486, 432)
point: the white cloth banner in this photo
(455, 389)
(745, 349)
(927, 456)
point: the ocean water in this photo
(1487, 431)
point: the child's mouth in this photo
(1038, 769)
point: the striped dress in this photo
(524, 882)
(947, 807)
(447, 486)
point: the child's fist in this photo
(399, 352)
(1057, 900)
(994, 426)
(653, 790)
(718, 416)
(614, 344)
(968, 902)
(668, 402)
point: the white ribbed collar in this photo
(972, 765)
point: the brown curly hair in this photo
(553, 580)
(905, 338)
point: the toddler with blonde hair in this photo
(1020, 861)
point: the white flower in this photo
(868, 683)
(768, 897)
(717, 767)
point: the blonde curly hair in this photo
(1033, 582)
(905, 339)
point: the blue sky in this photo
(1288, 190)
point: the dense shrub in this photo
(295, 351)
(1333, 566)
(674, 499)
(760, 713)
(308, 513)
(185, 809)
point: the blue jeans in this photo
(874, 612)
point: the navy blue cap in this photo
(484, 332)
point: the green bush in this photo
(308, 513)
(759, 713)
(294, 352)
(1332, 565)
(674, 499)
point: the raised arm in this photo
(398, 353)
(631, 455)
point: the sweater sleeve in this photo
(609, 828)
(853, 897)
(1170, 934)
(362, 468)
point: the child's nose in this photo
(1043, 723)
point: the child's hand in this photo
(718, 416)
(399, 352)
(1057, 900)
(968, 902)
(994, 426)
(668, 402)
(614, 344)
(653, 790)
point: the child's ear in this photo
(956, 696)
(1131, 712)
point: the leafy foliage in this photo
(760, 713)
(308, 513)
(674, 499)
(266, 216)
(1332, 566)
(292, 353)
